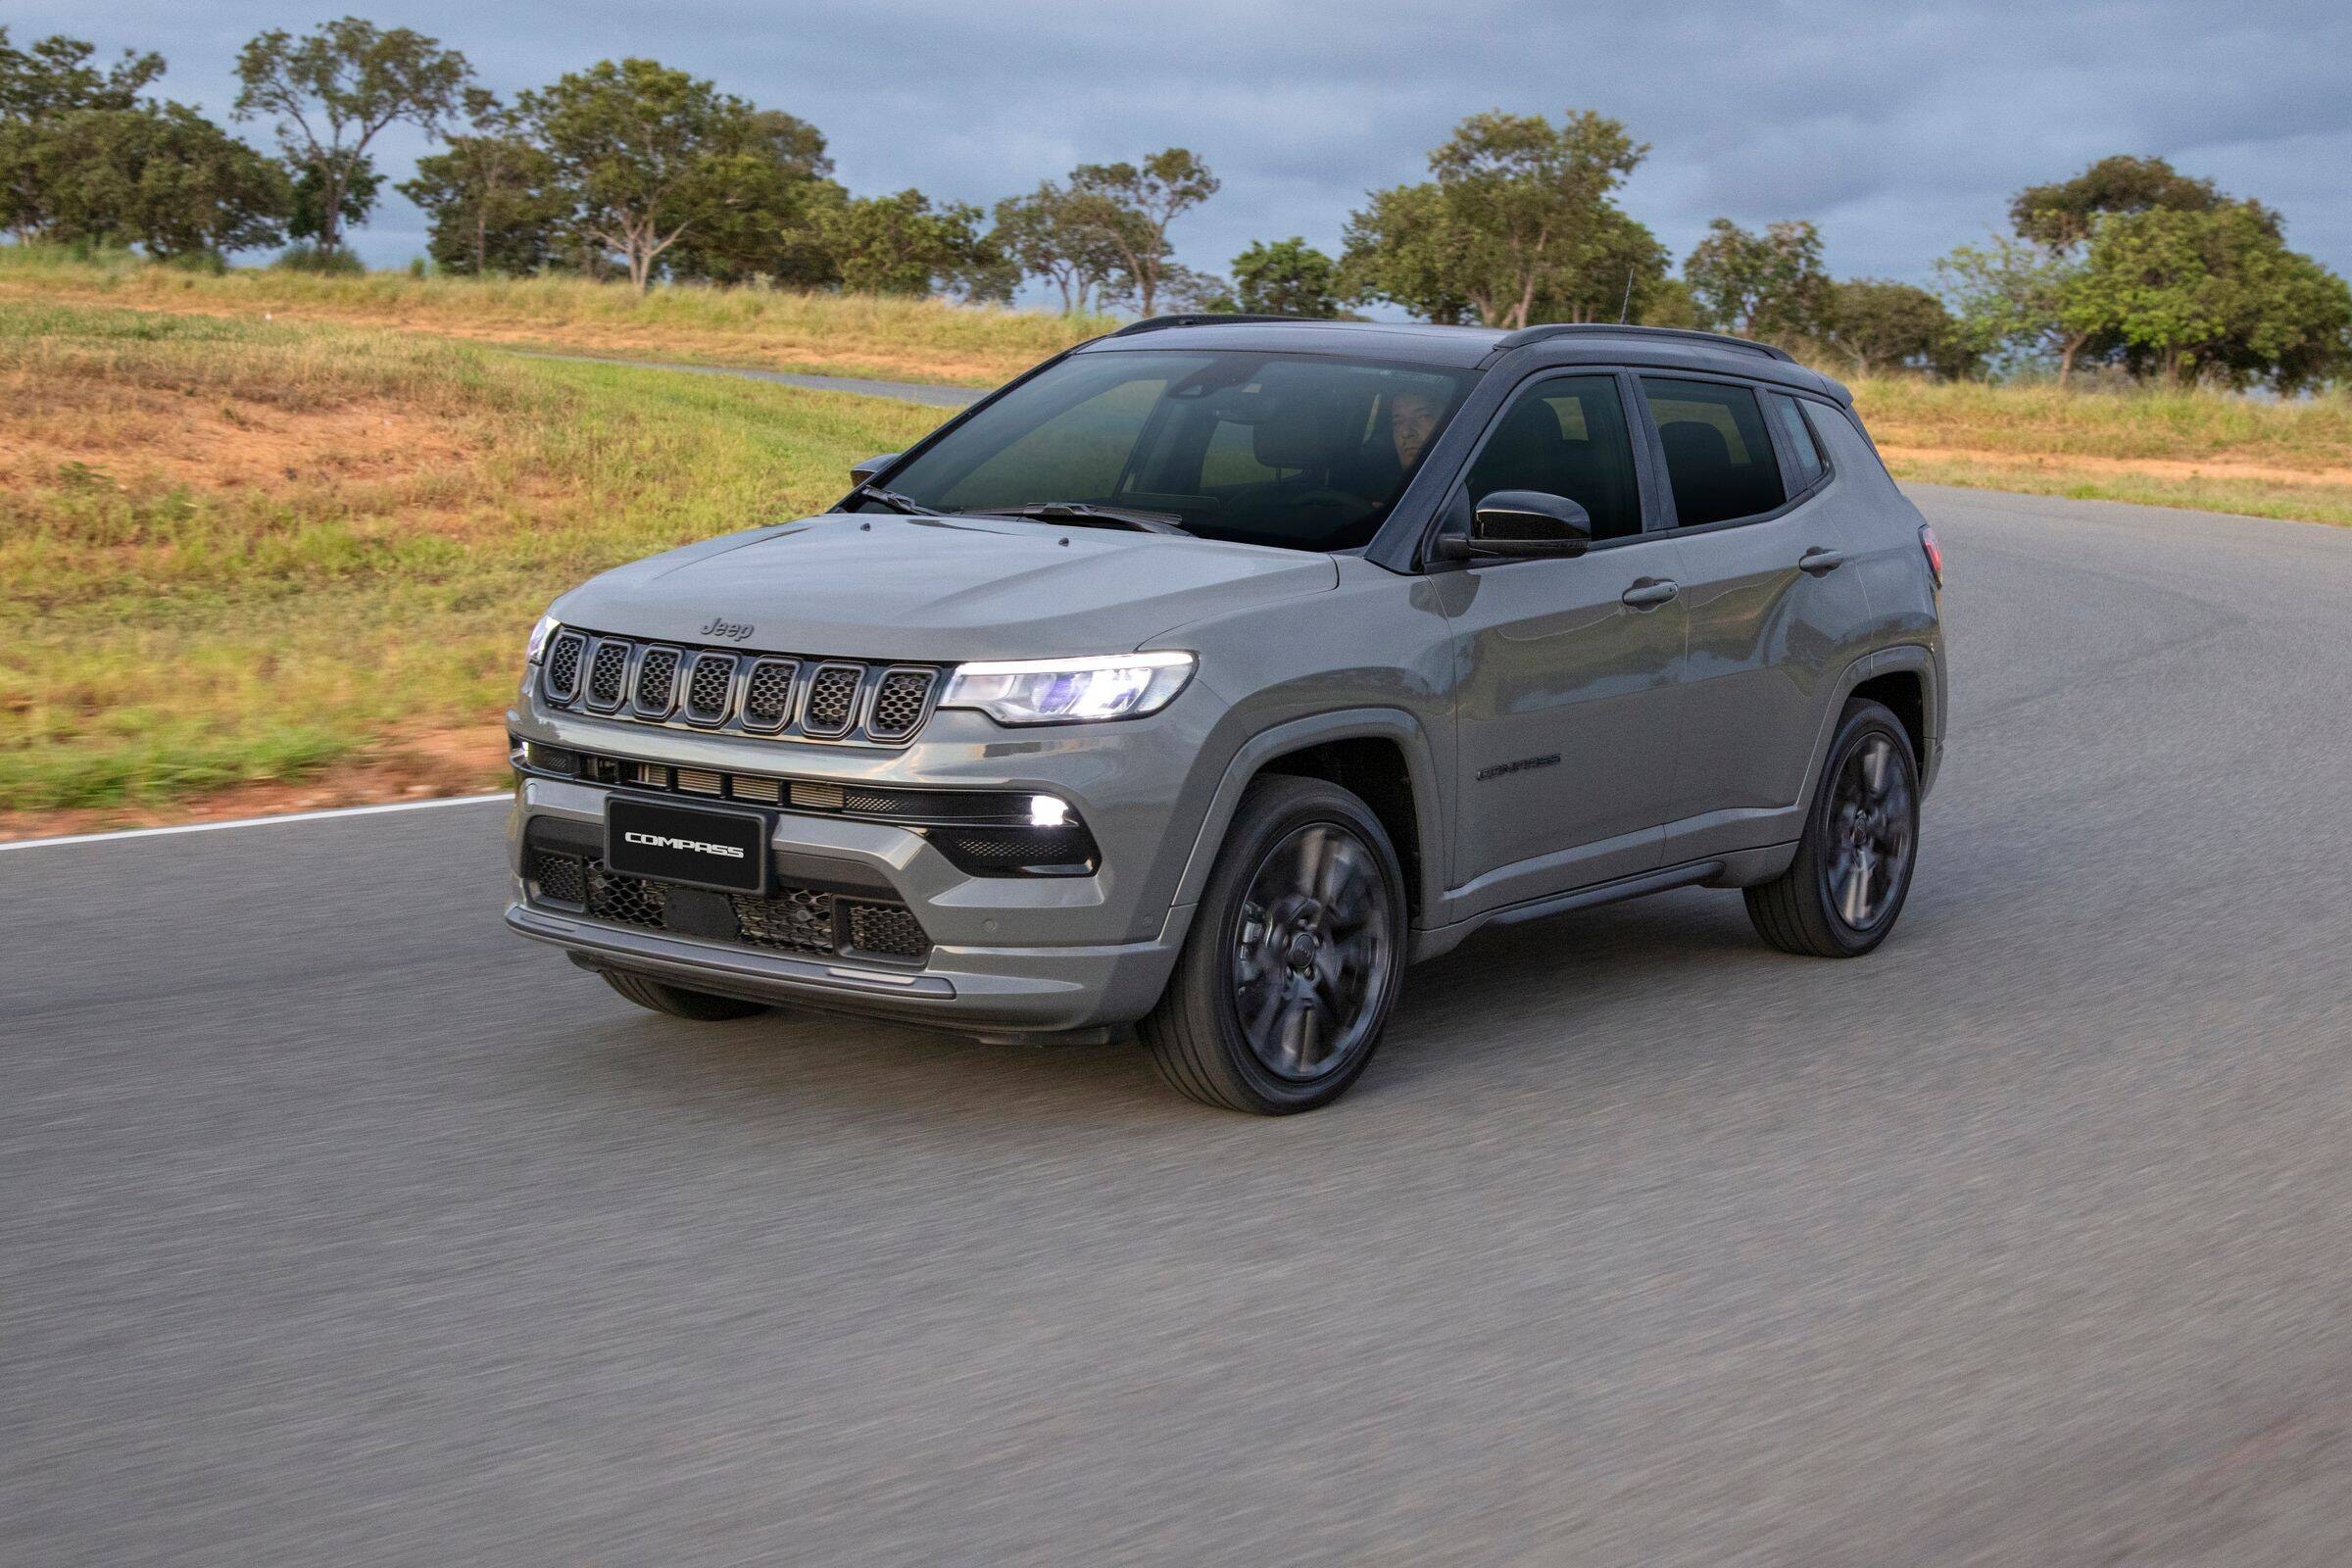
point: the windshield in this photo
(1296, 451)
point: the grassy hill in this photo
(236, 553)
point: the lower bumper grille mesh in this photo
(804, 920)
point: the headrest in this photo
(1296, 433)
(1694, 441)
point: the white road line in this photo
(256, 821)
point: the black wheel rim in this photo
(1312, 952)
(1871, 834)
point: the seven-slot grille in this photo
(710, 688)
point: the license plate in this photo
(724, 850)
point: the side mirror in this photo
(863, 472)
(1520, 524)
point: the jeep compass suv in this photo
(1212, 672)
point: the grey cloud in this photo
(1900, 130)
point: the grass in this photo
(2199, 450)
(234, 551)
(777, 329)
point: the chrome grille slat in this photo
(767, 693)
(831, 707)
(902, 700)
(655, 690)
(608, 678)
(709, 687)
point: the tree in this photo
(903, 244)
(55, 77)
(1759, 285)
(1289, 277)
(1878, 325)
(642, 152)
(2009, 301)
(770, 194)
(1044, 234)
(1519, 224)
(332, 91)
(490, 197)
(1127, 208)
(2213, 295)
(160, 177)
(2060, 216)
(305, 216)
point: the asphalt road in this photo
(338, 1227)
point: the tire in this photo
(1318, 975)
(678, 1001)
(1843, 894)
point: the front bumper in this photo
(1006, 955)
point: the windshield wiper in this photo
(1089, 515)
(894, 501)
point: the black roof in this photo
(1480, 347)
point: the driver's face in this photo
(1412, 418)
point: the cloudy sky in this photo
(1899, 129)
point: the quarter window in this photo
(1797, 435)
(1718, 454)
(1566, 438)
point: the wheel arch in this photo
(1382, 754)
(1907, 672)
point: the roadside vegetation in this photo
(251, 553)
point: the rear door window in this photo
(1719, 459)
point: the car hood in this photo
(936, 589)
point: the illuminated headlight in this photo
(548, 626)
(1069, 691)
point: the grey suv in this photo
(1207, 675)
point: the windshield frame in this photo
(1368, 531)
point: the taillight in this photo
(1934, 550)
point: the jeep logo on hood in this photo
(733, 632)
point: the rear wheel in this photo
(1841, 896)
(1295, 957)
(678, 1001)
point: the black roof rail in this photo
(1722, 340)
(1152, 324)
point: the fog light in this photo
(1047, 811)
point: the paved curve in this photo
(335, 1226)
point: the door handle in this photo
(1820, 562)
(1650, 592)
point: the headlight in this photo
(1069, 691)
(547, 627)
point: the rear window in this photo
(1797, 435)
(1719, 459)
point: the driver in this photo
(1413, 415)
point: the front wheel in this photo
(1840, 897)
(1294, 959)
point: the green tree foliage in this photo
(1126, 209)
(1520, 223)
(305, 216)
(332, 91)
(159, 175)
(1879, 324)
(2008, 300)
(643, 155)
(1768, 286)
(1046, 236)
(2212, 294)
(904, 244)
(490, 197)
(2059, 217)
(770, 195)
(2133, 263)
(55, 76)
(1289, 277)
